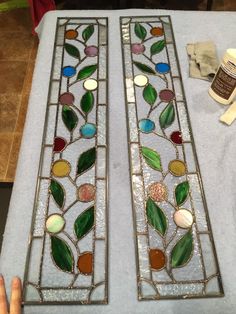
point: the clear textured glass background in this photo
(86, 288)
(202, 266)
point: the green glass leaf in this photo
(156, 217)
(86, 71)
(181, 192)
(152, 158)
(69, 117)
(167, 116)
(86, 160)
(182, 251)
(72, 51)
(87, 102)
(140, 31)
(149, 94)
(157, 47)
(144, 68)
(88, 32)
(57, 192)
(84, 223)
(62, 254)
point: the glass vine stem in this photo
(72, 286)
(126, 24)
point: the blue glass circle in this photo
(88, 130)
(146, 125)
(162, 67)
(68, 71)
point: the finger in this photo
(3, 297)
(15, 304)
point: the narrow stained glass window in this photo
(67, 255)
(176, 256)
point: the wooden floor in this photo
(224, 5)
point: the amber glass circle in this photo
(85, 263)
(157, 259)
(71, 34)
(157, 31)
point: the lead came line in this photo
(62, 264)
(175, 253)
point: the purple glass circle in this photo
(66, 99)
(166, 95)
(91, 51)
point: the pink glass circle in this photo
(86, 192)
(137, 49)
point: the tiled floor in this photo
(17, 57)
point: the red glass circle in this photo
(176, 137)
(59, 144)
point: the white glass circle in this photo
(183, 218)
(140, 80)
(90, 84)
(55, 223)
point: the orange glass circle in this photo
(156, 31)
(71, 34)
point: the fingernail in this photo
(16, 282)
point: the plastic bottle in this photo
(223, 87)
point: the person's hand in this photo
(15, 303)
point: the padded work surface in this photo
(215, 148)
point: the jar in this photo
(223, 87)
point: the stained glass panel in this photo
(67, 255)
(176, 256)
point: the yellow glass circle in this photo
(140, 80)
(177, 168)
(61, 168)
(90, 84)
